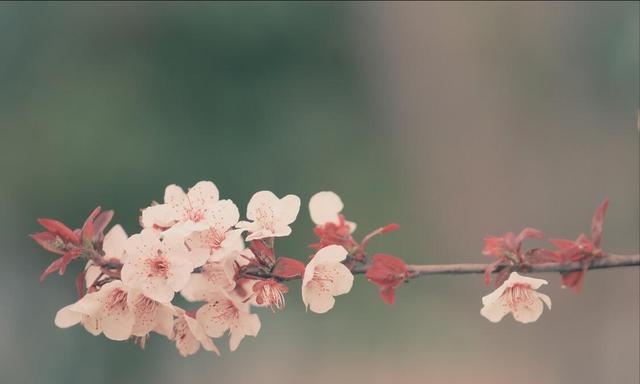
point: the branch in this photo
(609, 261)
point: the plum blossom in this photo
(113, 247)
(223, 313)
(325, 207)
(325, 277)
(185, 212)
(158, 267)
(189, 335)
(517, 295)
(215, 276)
(150, 315)
(105, 311)
(270, 215)
(219, 239)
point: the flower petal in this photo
(324, 207)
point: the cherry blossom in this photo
(215, 276)
(150, 315)
(325, 207)
(223, 313)
(189, 335)
(517, 295)
(105, 311)
(270, 215)
(113, 247)
(325, 277)
(185, 212)
(158, 267)
(219, 239)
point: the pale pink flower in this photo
(184, 212)
(113, 246)
(325, 277)
(517, 295)
(219, 239)
(325, 207)
(150, 315)
(224, 313)
(270, 215)
(215, 276)
(189, 335)
(157, 267)
(105, 311)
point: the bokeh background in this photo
(456, 120)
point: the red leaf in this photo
(67, 258)
(488, 270)
(388, 295)
(80, 283)
(387, 270)
(58, 228)
(101, 222)
(51, 268)
(48, 241)
(526, 234)
(87, 227)
(597, 223)
(287, 268)
(502, 276)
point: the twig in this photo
(609, 261)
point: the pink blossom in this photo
(189, 335)
(325, 207)
(224, 313)
(158, 267)
(325, 277)
(186, 212)
(270, 215)
(517, 295)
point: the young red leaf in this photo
(597, 223)
(387, 272)
(58, 228)
(87, 227)
(287, 268)
(51, 268)
(48, 241)
(101, 222)
(80, 283)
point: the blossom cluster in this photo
(517, 294)
(195, 244)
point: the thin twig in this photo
(609, 261)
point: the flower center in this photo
(117, 300)
(519, 295)
(264, 216)
(158, 266)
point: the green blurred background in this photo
(455, 120)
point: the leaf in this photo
(58, 228)
(51, 268)
(80, 283)
(87, 227)
(287, 268)
(597, 223)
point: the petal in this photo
(324, 208)
(67, 317)
(495, 295)
(114, 242)
(198, 334)
(331, 253)
(162, 215)
(289, 208)
(494, 311)
(317, 300)
(263, 200)
(342, 278)
(117, 323)
(199, 288)
(516, 278)
(223, 215)
(546, 299)
(203, 194)
(528, 312)
(213, 319)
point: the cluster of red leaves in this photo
(385, 271)
(509, 256)
(72, 244)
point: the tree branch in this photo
(609, 261)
